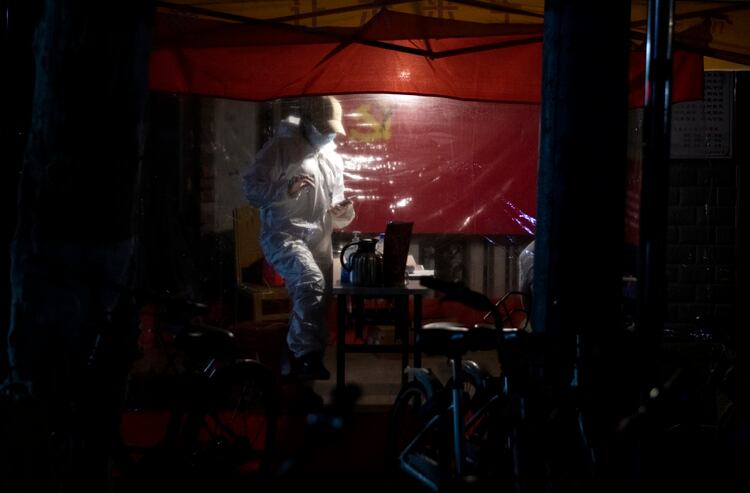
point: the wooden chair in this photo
(268, 302)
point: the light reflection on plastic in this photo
(407, 99)
(523, 225)
(400, 204)
(525, 221)
(361, 160)
(449, 166)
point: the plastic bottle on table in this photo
(380, 244)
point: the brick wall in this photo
(701, 258)
(705, 227)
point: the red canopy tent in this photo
(393, 52)
(487, 55)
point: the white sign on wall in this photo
(703, 129)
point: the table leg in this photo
(358, 316)
(417, 330)
(402, 324)
(340, 341)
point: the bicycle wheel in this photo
(478, 386)
(480, 389)
(491, 434)
(493, 446)
(234, 432)
(414, 443)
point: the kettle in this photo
(365, 265)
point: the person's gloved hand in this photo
(297, 183)
(340, 209)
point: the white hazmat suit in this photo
(296, 229)
(526, 268)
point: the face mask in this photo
(316, 138)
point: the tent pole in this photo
(654, 187)
(652, 277)
(580, 214)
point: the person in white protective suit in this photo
(526, 277)
(297, 182)
(526, 269)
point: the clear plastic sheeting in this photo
(448, 166)
(463, 172)
(490, 264)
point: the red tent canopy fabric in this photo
(410, 168)
(393, 53)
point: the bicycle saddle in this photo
(202, 341)
(450, 338)
(457, 291)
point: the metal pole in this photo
(655, 184)
(653, 217)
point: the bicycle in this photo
(222, 419)
(475, 431)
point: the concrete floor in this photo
(379, 374)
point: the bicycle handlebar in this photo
(457, 291)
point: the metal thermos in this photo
(365, 265)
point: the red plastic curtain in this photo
(449, 166)
(464, 165)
